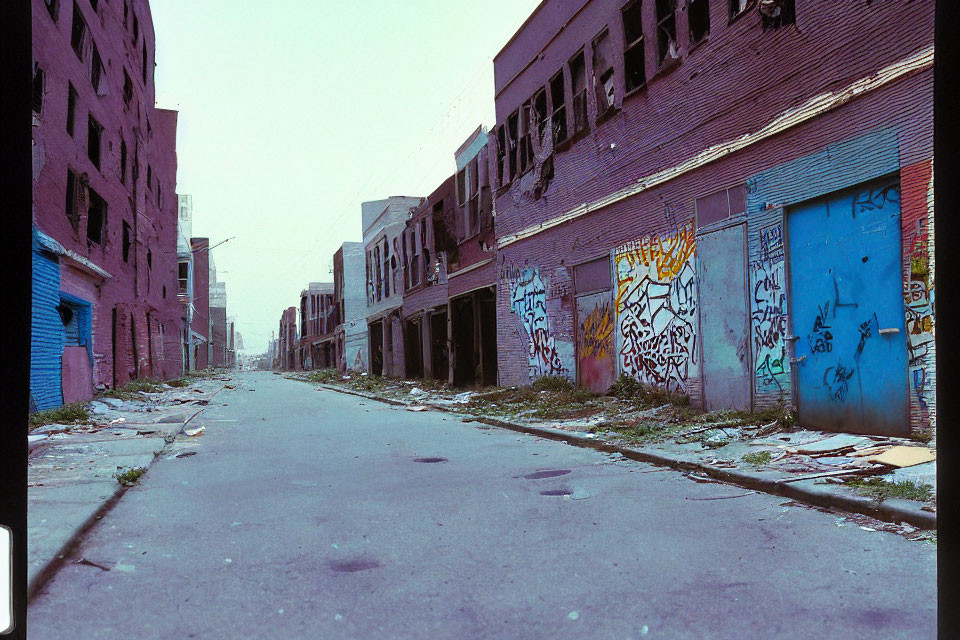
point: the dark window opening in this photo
(93, 4)
(578, 81)
(136, 28)
(94, 134)
(634, 72)
(127, 87)
(666, 31)
(183, 276)
(558, 104)
(78, 32)
(96, 217)
(501, 153)
(71, 108)
(149, 177)
(540, 112)
(699, 17)
(777, 13)
(739, 6)
(462, 186)
(144, 62)
(123, 161)
(96, 70)
(71, 202)
(126, 11)
(603, 87)
(37, 89)
(512, 126)
(526, 147)
(52, 6)
(473, 206)
(149, 259)
(126, 241)
(164, 291)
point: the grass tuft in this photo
(73, 413)
(757, 457)
(880, 489)
(129, 477)
(179, 382)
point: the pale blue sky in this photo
(293, 112)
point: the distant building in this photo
(287, 340)
(349, 265)
(317, 348)
(200, 324)
(383, 225)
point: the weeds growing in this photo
(880, 489)
(73, 413)
(129, 477)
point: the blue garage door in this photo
(846, 306)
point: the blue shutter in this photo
(47, 335)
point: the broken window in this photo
(37, 88)
(634, 73)
(739, 6)
(578, 81)
(473, 205)
(415, 248)
(666, 31)
(71, 107)
(96, 70)
(52, 7)
(123, 161)
(126, 256)
(603, 73)
(777, 13)
(525, 148)
(699, 16)
(71, 201)
(501, 153)
(512, 141)
(379, 273)
(78, 32)
(96, 217)
(127, 87)
(558, 104)
(94, 133)
(540, 113)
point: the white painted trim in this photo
(816, 106)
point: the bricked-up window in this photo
(777, 13)
(578, 81)
(127, 87)
(603, 73)
(635, 75)
(37, 89)
(71, 107)
(123, 161)
(53, 6)
(513, 142)
(666, 31)
(126, 255)
(70, 208)
(78, 32)
(558, 104)
(96, 217)
(698, 12)
(94, 135)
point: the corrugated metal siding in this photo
(47, 335)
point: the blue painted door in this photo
(846, 307)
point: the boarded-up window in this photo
(592, 276)
(634, 72)
(721, 205)
(603, 73)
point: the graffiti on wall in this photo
(595, 363)
(528, 300)
(769, 313)
(656, 309)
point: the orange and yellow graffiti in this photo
(668, 254)
(597, 334)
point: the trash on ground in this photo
(118, 420)
(187, 454)
(834, 443)
(905, 456)
(194, 432)
(92, 564)
(416, 408)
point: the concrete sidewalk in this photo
(820, 489)
(71, 472)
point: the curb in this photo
(793, 490)
(49, 569)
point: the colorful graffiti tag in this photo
(529, 301)
(656, 309)
(595, 365)
(769, 313)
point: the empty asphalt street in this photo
(313, 514)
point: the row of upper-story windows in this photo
(521, 138)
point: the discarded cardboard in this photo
(905, 456)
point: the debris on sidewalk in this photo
(905, 456)
(832, 444)
(195, 432)
(416, 408)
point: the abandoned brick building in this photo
(728, 199)
(105, 306)
(317, 344)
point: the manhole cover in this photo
(429, 460)
(547, 474)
